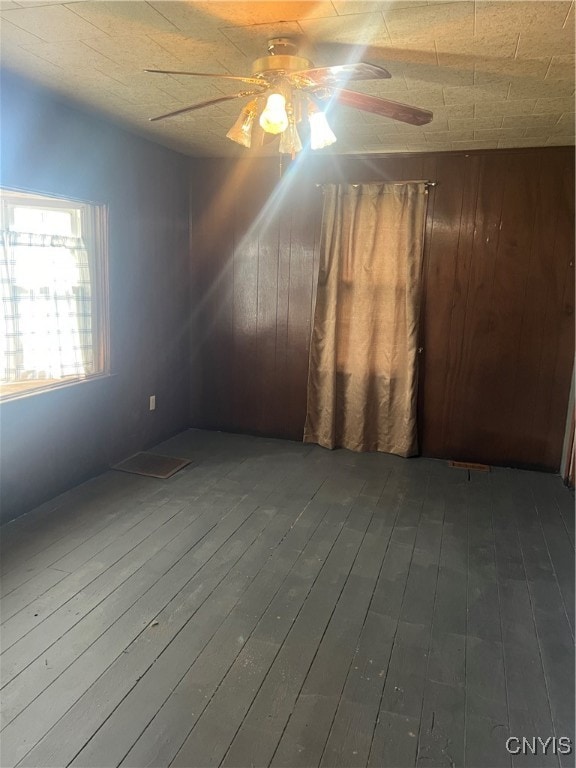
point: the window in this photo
(54, 294)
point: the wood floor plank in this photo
(32, 565)
(204, 569)
(483, 609)
(557, 654)
(407, 671)
(274, 702)
(392, 583)
(20, 597)
(326, 678)
(147, 724)
(562, 558)
(456, 509)
(182, 554)
(529, 706)
(450, 608)
(351, 733)
(565, 500)
(86, 621)
(127, 670)
(559, 546)
(479, 500)
(418, 602)
(552, 624)
(395, 741)
(33, 630)
(44, 670)
(281, 604)
(442, 732)
(92, 592)
(447, 659)
(487, 730)
(487, 724)
(406, 675)
(522, 721)
(92, 509)
(93, 526)
(388, 598)
(129, 525)
(40, 609)
(75, 507)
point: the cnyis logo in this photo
(536, 745)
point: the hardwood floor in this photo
(280, 604)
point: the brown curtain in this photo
(362, 381)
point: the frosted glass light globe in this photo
(274, 118)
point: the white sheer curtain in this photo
(46, 301)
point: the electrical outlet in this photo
(152, 402)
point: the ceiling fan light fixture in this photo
(321, 135)
(295, 88)
(274, 118)
(241, 131)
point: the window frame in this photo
(92, 221)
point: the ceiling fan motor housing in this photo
(282, 45)
(282, 58)
(270, 65)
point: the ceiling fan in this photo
(287, 87)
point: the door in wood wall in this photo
(498, 326)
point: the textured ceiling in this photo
(495, 74)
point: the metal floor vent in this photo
(469, 465)
(152, 465)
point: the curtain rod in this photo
(397, 183)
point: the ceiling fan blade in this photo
(203, 104)
(327, 52)
(378, 106)
(338, 74)
(441, 67)
(252, 80)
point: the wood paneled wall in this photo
(498, 328)
(254, 249)
(54, 440)
(497, 323)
